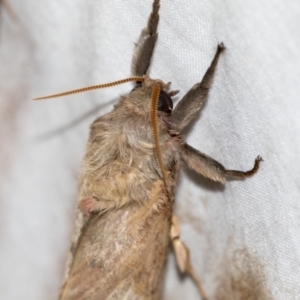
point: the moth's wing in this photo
(145, 45)
(121, 253)
(79, 223)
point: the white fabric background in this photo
(244, 237)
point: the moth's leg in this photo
(187, 108)
(210, 168)
(182, 255)
(90, 205)
(145, 45)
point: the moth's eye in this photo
(165, 103)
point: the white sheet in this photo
(244, 237)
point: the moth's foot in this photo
(255, 168)
(221, 47)
(259, 158)
(86, 205)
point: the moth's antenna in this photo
(155, 129)
(93, 87)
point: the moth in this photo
(124, 221)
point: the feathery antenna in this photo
(93, 87)
(155, 129)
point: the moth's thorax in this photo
(121, 164)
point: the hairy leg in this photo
(210, 168)
(145, 45)
(191, 103)
(182, 255)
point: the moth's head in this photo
(146, 93)
(142, 95)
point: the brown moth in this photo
(124, 222)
